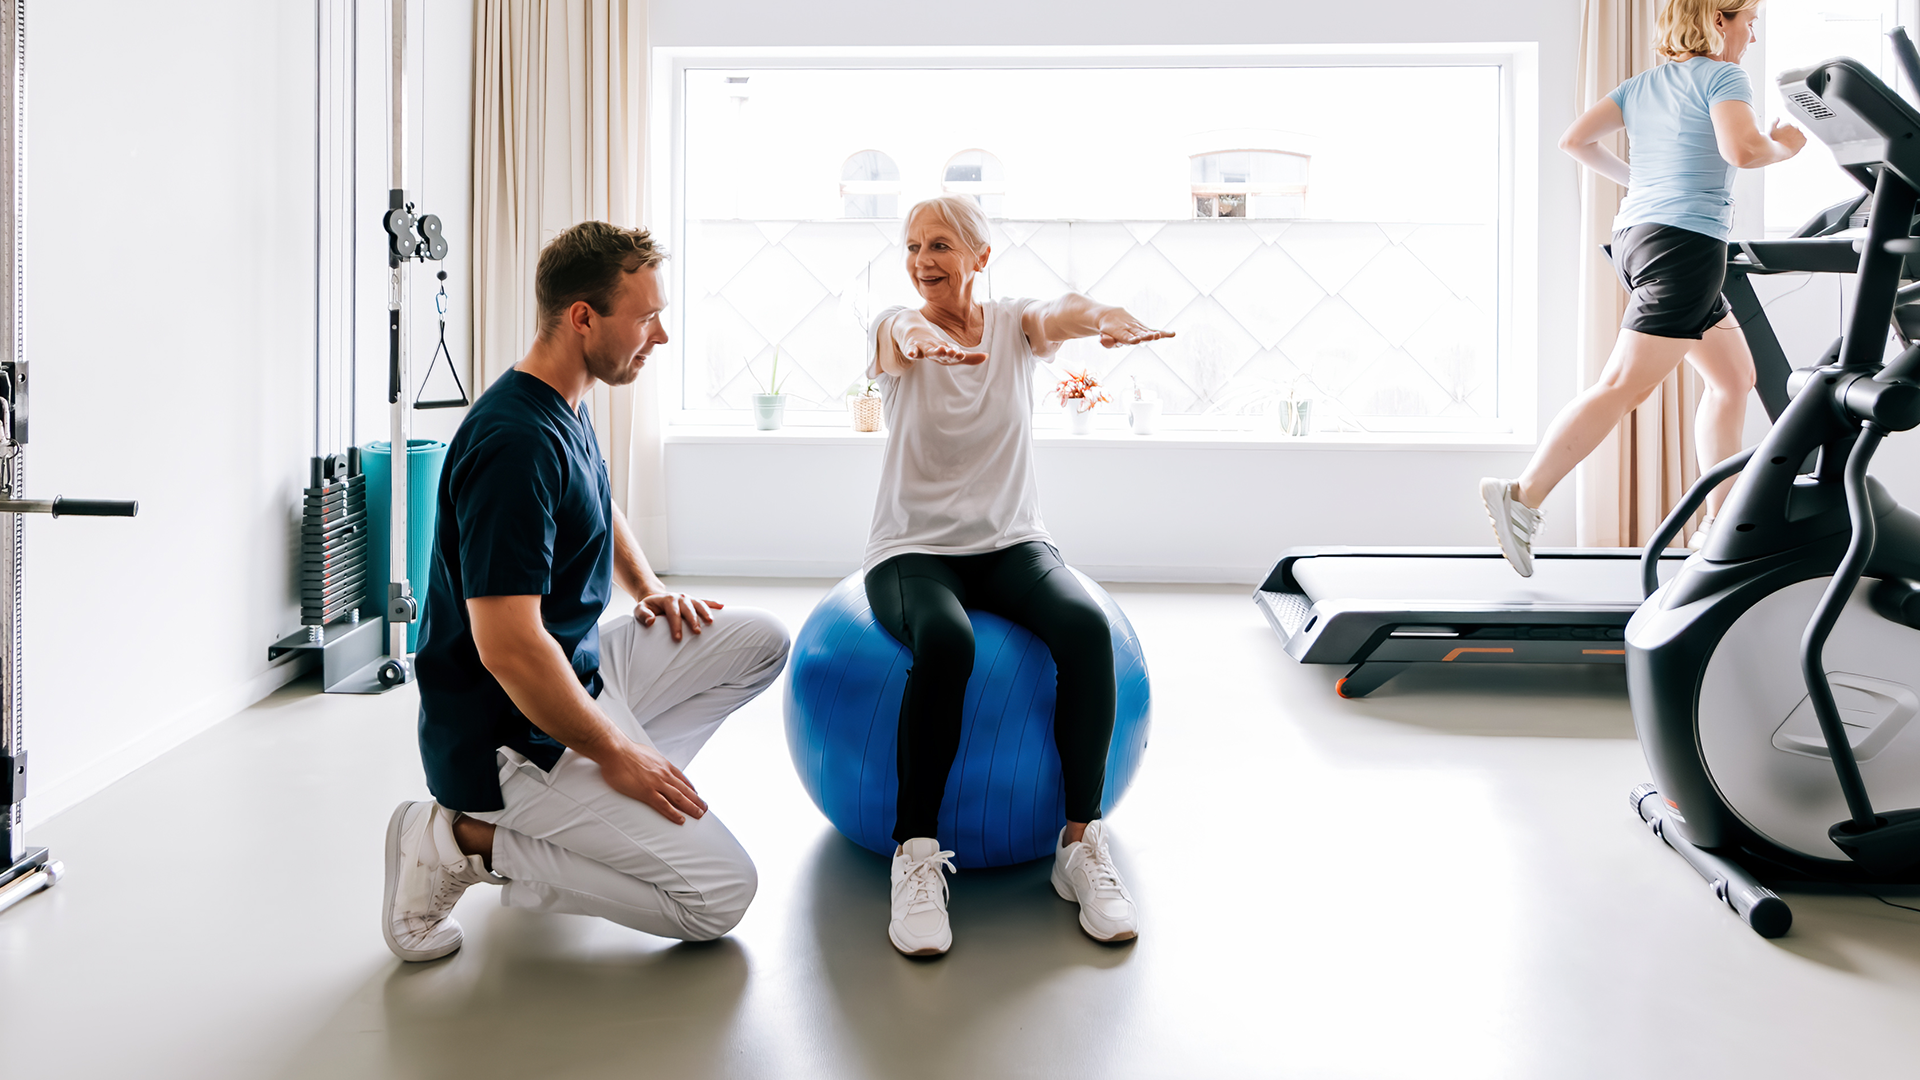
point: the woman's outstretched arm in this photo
(908, 336)
(1582, 141)
(1078, 316)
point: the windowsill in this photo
(709, 435)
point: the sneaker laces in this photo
(1100, 871)
(921, 878)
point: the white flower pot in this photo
(1080, 416)
(769, 411)
(1143, 415)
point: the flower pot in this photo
(1080, 416)
(769, 411)
(1143, 415)
(866, 413)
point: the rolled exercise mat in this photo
(424, 460)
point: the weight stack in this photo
(333, 540)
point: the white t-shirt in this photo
(957, 475)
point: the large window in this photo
(1798, 33)
(1179, 190)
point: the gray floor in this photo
(1442, 880)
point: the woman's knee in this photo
(943, 645)
(1081, 640)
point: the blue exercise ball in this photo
(1004, 802)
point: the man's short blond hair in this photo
(1685, 27)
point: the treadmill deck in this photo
(1384, 608)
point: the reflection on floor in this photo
(1441, 880)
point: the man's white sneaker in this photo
(426, 875)
(919, 926)
(1514, 522)
(1084, 873)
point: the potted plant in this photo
(1079, 393)
(770, 405)
(863, 401)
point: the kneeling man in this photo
(554, 749)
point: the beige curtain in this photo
(1627, 485)
(559, 118)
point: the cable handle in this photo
(60, 506)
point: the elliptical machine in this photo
(1775, 679)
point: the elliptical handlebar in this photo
(1670, 528)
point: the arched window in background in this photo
(977, 174)
(870, 186)
(1250, 183)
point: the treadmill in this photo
(1381, 610)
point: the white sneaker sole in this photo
(394, 827)
(1493, 496)
(924, 950)
(1066, 893)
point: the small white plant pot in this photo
(1080, 416)
(769, 411)
(866, 413)
(1144, 415)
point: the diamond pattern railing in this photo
(1371, 319)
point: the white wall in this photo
(169, 328)
(1121, 509)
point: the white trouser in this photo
(569, 843)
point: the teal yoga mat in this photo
(424, 460)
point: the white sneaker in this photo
(919, 926)
(426, 875)
(1514, 522)
(1700, 535)
(1083, 872)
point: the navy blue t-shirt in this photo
(525, 509)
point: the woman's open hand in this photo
(1118, 328)
(917, 344)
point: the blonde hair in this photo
(959, 213)
(1685, 27)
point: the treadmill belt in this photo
(1477, 582)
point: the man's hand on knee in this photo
(641, 774)
(679, 609)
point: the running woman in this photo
(1690, 124)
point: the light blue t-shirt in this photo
(1678, 176)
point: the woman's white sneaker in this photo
(1083, 872)
(426, 875)
(1700, 535)
(919, 924)
(1514, 522)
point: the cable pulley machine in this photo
(27, 870)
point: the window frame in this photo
(1517, 224)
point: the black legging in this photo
(922, 601)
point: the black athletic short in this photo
(1675, 277)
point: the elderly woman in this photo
(957, 524)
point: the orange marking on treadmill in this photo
(1467, 649)
(1603, 652)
